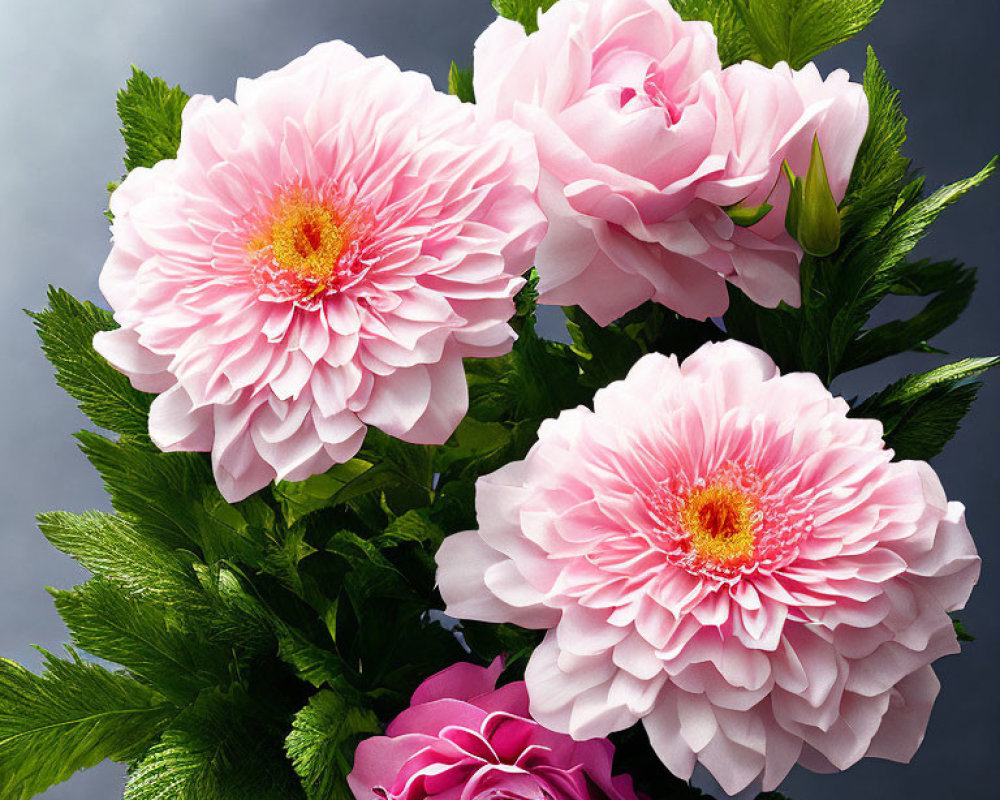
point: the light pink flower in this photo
(319, 257)
(463, 738)
(721, 552)
(644, 138)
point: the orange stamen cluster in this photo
(721, 523)
(305, 238)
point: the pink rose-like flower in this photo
(644, 139)
(721, 552)
(319, 257)
(463, 738)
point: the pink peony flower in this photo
(462, 738)
(644, 139)
(721, 552)
(319, 257)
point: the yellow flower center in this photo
(721, 523)
(305, 238)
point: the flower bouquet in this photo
(375, 537)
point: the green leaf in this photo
(798, 30)
(476, 447)
(961, 633)
(921, 413)
(154, 641)
(173, 498)
(223, 747)
(315, 665)
(66, 329)
(111, 547)
(321, 745)
(71, 717)
(952, 287)
(880, 167)
(735, 44)
(523, 11)
(150, 113)
(460, 83)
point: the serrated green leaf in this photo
(313, 664)
(321, 745)
(921, 413)
(223, 747)
(952, 287)
(155, 641)
(66, 329)
(880, 167)
(71, 717)
(111, 547)
(523, 11)
(173, 497)
(150, 113)
(460, 83)
(735, 44)
(798, 30)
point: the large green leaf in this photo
(150, 113)
(798, 30)
(321, 745)
(66, 329)
(153, 640)
(921, 413)
(71, 717)
(112, 547)
(173, 497)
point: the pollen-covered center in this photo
(305, 243)
(721, 524)
(307, 240)
(305, 237)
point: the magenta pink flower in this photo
(463, 738)
(319, 257)
(721, 552)
(644, 139)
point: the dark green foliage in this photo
(950, 287)
(150, 113)
(224, 746)
(960, 631)
(606, 354)
(921, 413)
(321, 744)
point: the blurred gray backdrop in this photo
(60, 65)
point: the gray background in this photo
(60, 64)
